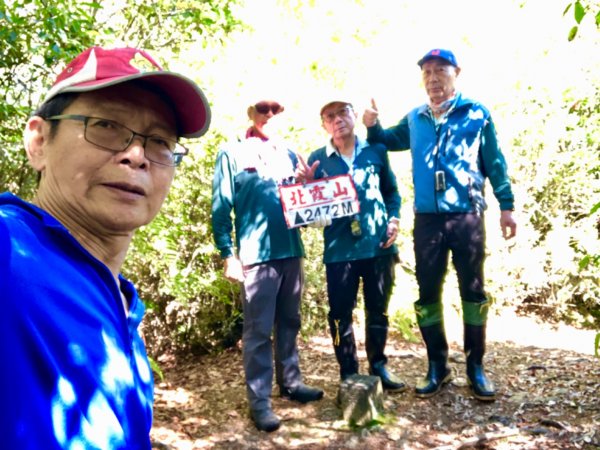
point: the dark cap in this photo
(438, 53)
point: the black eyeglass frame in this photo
(178, 151)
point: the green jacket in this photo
(378, 198)
(245, 184)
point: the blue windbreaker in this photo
(74, 369)
(463, 146)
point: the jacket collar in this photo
(458, 102)
(358, 142)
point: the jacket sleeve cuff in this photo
(226, 252)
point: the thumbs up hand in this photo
(370, 115)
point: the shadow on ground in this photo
(547, 399)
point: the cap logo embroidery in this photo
(142, 64)
(435, 52)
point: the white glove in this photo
(321, 221)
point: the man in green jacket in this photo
(268, 260)
(454, 148)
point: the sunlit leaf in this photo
(579, 12)
(584, 262)
(572, 33)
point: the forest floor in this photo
(547, 377)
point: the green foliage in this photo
(156, 369)
(404, 322)
(579, 12)
(168, 24)
(560, 278)
(314, 301)
(36, 35)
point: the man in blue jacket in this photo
(266, 258)
(105, 142)
(454, 148)
(360, 246)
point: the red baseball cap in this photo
(97, 68)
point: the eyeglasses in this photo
(265, 107)
(342, 113)
(115, 137)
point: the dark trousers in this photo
(343, 280)
(436, 236)
(272, 293)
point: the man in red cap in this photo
(454, 149)
(105, 142)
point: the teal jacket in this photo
(463, 146)
(245, 184)
(378, 199)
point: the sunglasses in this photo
(265, 107)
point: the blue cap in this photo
(438, 53)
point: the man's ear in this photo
(36, 137)
(250, 112)
(457, 70)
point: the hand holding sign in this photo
(321, 221)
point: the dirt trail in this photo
(548, 382)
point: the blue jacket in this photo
(245, 183)
(463, 146)
(378, 199)
(75, 372)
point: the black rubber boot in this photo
(344, 346)
(389, 381)
(438, 373)
(481, 386)
(376, 338)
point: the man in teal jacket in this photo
(268, 260)
(359, 246)
(454, 148)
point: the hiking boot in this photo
(302, 393)
(265, 420)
